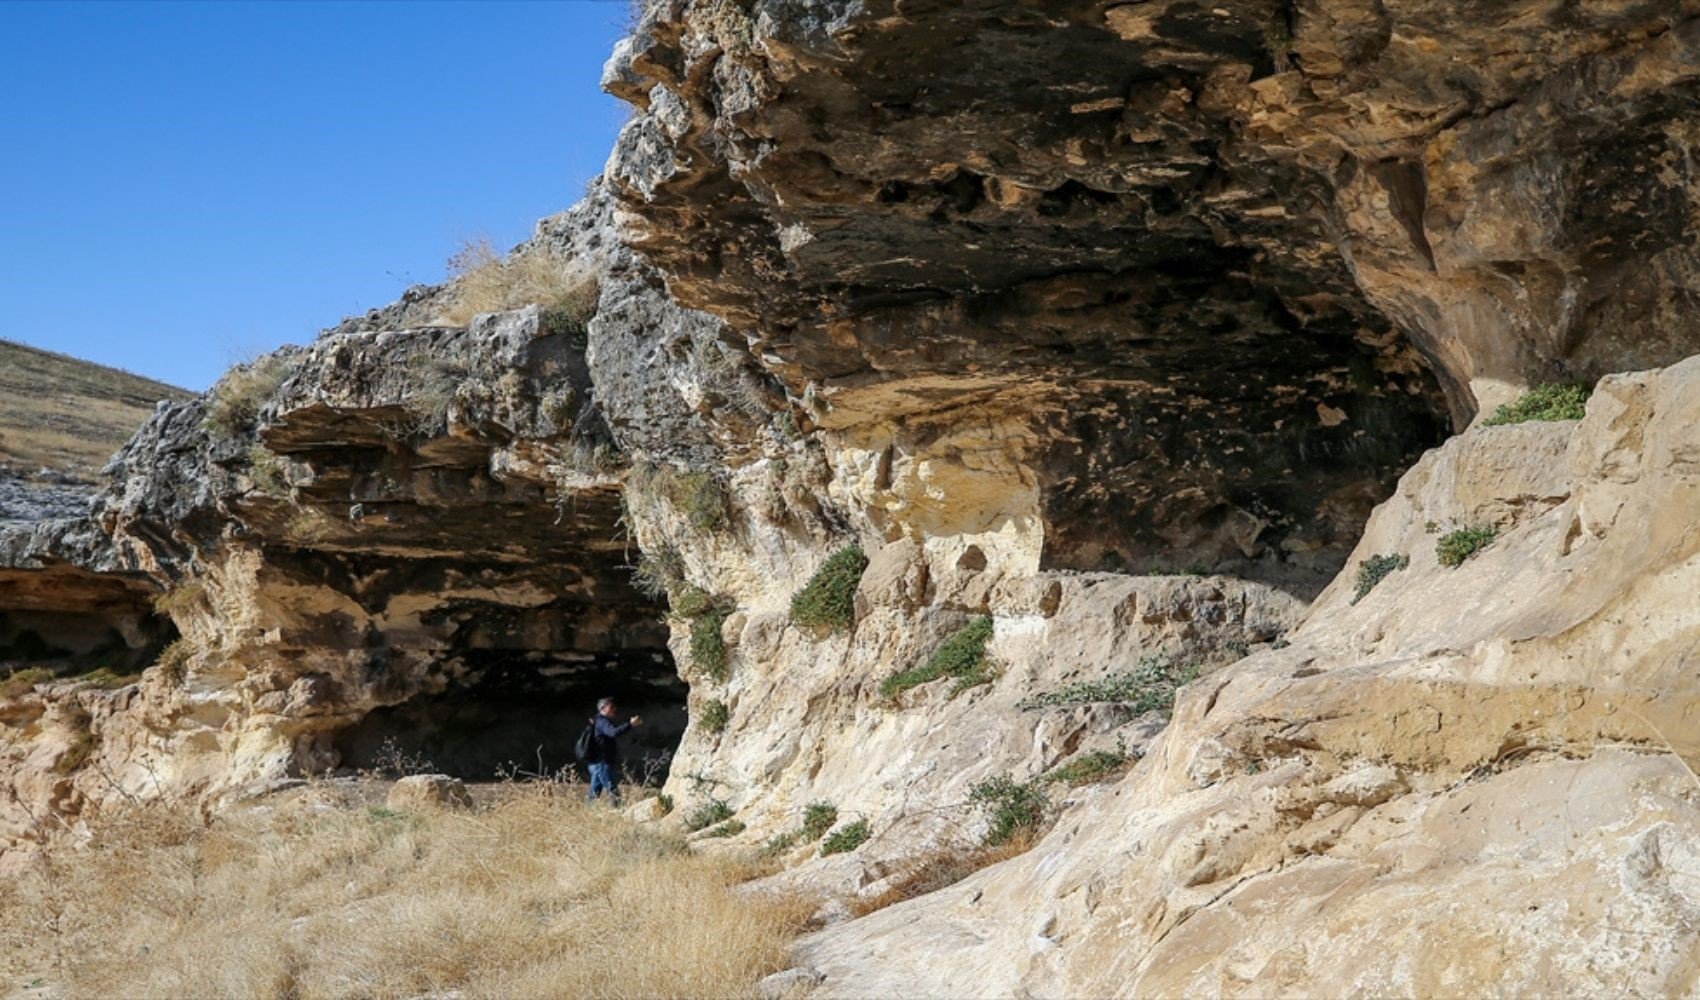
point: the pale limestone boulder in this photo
(428, 791)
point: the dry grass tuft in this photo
(233, 405)
(485, 281)
(538, 895)
(938, 871)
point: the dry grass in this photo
(485, 281)
(938, 871)
(68, 414)
(234, 402)
(536, 896)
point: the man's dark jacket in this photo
(604, 743)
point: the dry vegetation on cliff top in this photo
(535, 896)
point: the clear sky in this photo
(185, 184)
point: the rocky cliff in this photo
(929, 392)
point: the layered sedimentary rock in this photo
(1099, 328)
(1471, 780)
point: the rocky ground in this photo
(928, 391)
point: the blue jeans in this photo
(602, 778)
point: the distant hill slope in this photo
(66, 414)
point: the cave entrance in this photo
(70, 622)
(517, 716)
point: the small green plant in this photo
(730, 828)
(779, 843)
(690, 601)
(391, 822)
(1550, 401)
(828, 600)
(1089, 767)
(1016, 808)
(708, 647)
(962, 656)
(706, 815)
(1460, 544)
(846, 838)
(1376, 569)
(818, 817)
(659, 572)
(666, 803)
(265, 468)
(1150, 686)
(1162, 569)
(703, 498)
(715, 716)
(571, 313)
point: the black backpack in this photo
(586, 740)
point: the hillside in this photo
(70, 415)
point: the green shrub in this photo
(666, 802)
(708, 648)
(703, 498)
(1089, 767)
(1149, 687)
(962, 656)
(715, 716)
(730, 828)
(846, 838)
(1376, 569)
(706, 815)
(828, 600)
(1550, 401)
(690, 601)
(818, 817)
(1016, 808)
(1456, 546)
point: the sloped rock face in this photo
(1471, 780)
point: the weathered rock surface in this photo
(1107, 323)
(1471, 781)
(429, 791)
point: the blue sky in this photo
(185, 184)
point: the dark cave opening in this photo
(71, 623)
(506, 715)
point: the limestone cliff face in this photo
(1120, 334)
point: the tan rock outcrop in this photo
(1477, 779)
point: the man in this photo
(604, 757)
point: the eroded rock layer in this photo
(1071, 346)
